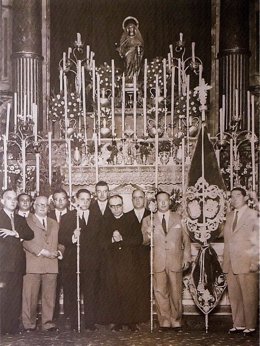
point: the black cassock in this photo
(120, 274)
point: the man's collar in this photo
(8, 212)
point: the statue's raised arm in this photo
(131, 48)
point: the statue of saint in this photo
(131, 48)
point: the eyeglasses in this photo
(115, 206)
(41, 205)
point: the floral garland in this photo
(57, 107)
(181, 104)
(156, 68)
(105, 72)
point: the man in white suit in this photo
(172, 255)
(240, 263)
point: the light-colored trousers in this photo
(31, 288)
(168, 298)
(243, 296)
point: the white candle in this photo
(236, 102)
(253, 114)
(134, 106)
(37, 171)
(164, 80)
(248, 111)
(156, 102)
(145, 78)
(79, 76)
(7, 121)
(156, 159)
(64, 61)
(65, 105)
(113, 115)
(253, 144)
(193, 51)
(169, 61)
(145, 120)
(172, 97)
(5, 163)
(221, 124)
(70, 168)
(93, 80)
(35, 120)
(188, 119)
(200, 74)
(98, 106)
(113, 77)
(84, 102)
(78, 38)
(91, 57)
(171, 52)
(50, 158)
(96, 155)
(23, 165)
(231, 164)
(15, 112)
(69, 52)
(179, 77)
(87, 52)
(123, 105)
(183, 165)
(223, 112)
(218, 156)
(61, 80)
(181, 37)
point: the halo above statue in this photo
(129, 20)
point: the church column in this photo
(27, 55)
(234, 58)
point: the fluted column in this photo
(27, 55)
(234, 57)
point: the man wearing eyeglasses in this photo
(41, 268)
(119, 241)
(13, 228)
(80, 224)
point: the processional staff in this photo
(78, 273)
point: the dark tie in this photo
(235, 221)
(24, 214)
(12, 222)
(164, 224)
(43, 223)
(82, 220)
(60, 216)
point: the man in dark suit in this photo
(13, 229)
(60, 200)
(241, 262)
(82, 224)
(41, 268)
(138, 213)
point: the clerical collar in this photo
(118, 217)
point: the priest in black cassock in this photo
(119, 241)
(138, 213)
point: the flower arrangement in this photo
(156, 68)
(145, 148)
(164, 146)
(181, 104)
(57, 107)
(105, 72)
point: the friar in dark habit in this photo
(119, 242)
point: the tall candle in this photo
(96, 155)
(79, 76)
(218, 156)
(35, 120)
(253, 114)
(5, 163)
(164, 79)
(145, 78)
(145, 120)
(61, 80)
(37, 171)
(188, 119)
(113, 115)
(156, 159)
(65, 105)
(87, 52)
(7, 121)
(248, 111)
(221, 124)
(23, 165)
(15, 112)
(253, 164)
(84, 102)
(224, 112)
(181, 37)
(193, 51)
(69, 52)
(156, 102)
(50, 158)
(200, 74)
(231, 164)
(171, 52)
(93, 80)
(78, 38)
(172, 97)
(183, 164)
(134, 106)
(98, 106)
(64, 61)
(123, 105)
(113, 77)
(70, 167)
(179, 77)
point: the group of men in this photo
(114, 260)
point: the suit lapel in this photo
(241, 219)
(158, 224)
(38, 223)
